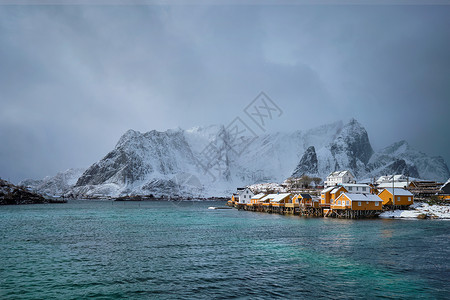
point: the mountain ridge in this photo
(172, 162)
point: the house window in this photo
(359, 203)
(398, 199)
(339, 202)
(376, 203)
(244, 196)
(348, 202)
(350, 188)
(367, 202)
(364, 189)
(409, 199)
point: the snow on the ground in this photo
(420, 210)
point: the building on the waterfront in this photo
(336, 192)
(351, 201)
(234, 198)
(245, 195)
(305, 200)
(339, 177)
(402, 197)
(281, 199)
(325, 195)
(256, 198)
(331, 193)
(276, 199)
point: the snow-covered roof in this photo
(355, 185)
(339, 173)
(267, 197)
(274, 197)
(387, 178)
(361, 197)
(398, 184)
(399, 192)
(448, 182)
(327, 190)
(279, 197)
(336, 188)
(259, 196)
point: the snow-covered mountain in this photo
(56, 185)
(209, 161)
(401, 158)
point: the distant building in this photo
(390, 178)
(425, 188)
(304, 200)
(339, 177)
(357, 188)
(395, 184)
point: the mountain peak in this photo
(127, 136)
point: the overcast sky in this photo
(73, 79)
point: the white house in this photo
(357, 188)
(245, 195)
(339, 177)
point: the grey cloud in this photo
(74, 78)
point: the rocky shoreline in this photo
(11, 194)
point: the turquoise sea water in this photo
(140, 250)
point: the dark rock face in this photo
(399, 166)
(11, 194)
(137, 155)
(308, 164)
(353, 147)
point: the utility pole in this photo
(393, 191)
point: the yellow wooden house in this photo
(325, 196)
(400, 197)
(254, 200)
(266, 199)
(328, 195)
(234, 199)
(280, 200)
(305, 200)
(336, 192)
(357, 202)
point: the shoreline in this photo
(420, 210)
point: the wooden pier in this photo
(306, 211)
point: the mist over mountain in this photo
(170, 163)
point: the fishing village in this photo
(340, 196)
